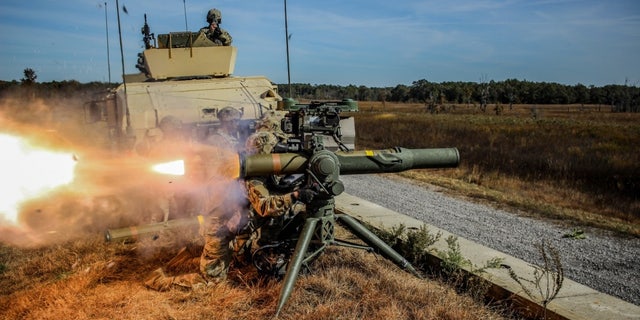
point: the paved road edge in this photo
(574, 301)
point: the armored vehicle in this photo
(186, 78)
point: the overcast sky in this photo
(361, 42)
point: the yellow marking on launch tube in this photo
(200, 219)
(369, 153)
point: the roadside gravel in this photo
(602, 261)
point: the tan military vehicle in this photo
(186, 77)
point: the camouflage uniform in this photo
(264, 202)
(227, 217)
(271, 122)
(222, 139)
(225, 230)
(219, 36)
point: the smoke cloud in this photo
(109, 190)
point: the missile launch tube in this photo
(134, 233)
(355, 162)
(396, 160)
(274, 163)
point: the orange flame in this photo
(27, 172)
(175, 168)
(215, 163)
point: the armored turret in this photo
(184, 75)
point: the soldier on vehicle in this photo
(213, 31)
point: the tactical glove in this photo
(306, 195)
(217, 32)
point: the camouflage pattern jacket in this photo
(220, 36)
(265, 204)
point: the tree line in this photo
(622, 98)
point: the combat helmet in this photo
(170, 125)
(214, 15)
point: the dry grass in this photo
(85, 278)
(573, 164)
(71, 273)
(89, 279)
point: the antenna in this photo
(184, 5)
(124, 81)
(286, 31)
(106, 24)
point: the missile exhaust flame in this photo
(27, 172)
(175, 168)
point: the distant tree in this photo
(421, 91)
(453, 92)
(363, 93)
(351, 91)
(29, 76)
(621, 98)
(400, 93)
(468, 94)
(382, 95)
(484, 93)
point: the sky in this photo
(374, 43)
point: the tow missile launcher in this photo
(290, 243)
(299, 240)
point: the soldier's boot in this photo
(158, 281)
(189, 281)
(216, 271)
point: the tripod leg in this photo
(296, 261)
(376, 243)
